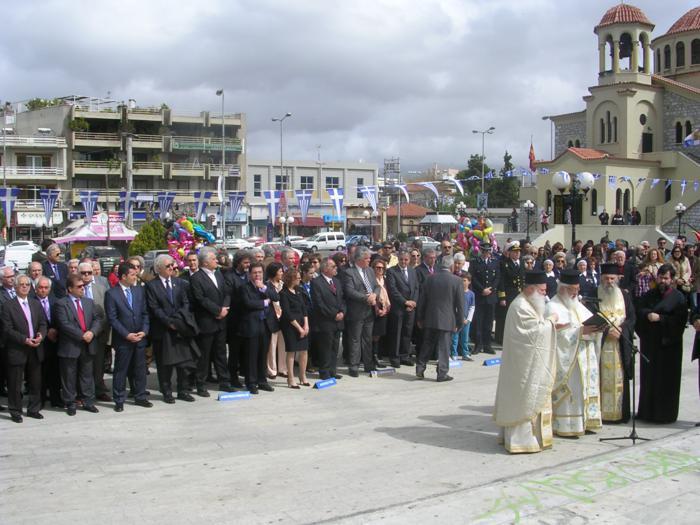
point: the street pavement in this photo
(387, 449)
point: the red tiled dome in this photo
(624, 14)
(688, 22)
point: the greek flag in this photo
(272, 198)
(693, 139)
(544, 171)
(336, 195)
(128, 198)
(235, 200)
(489, 175)
(431, 187)
(684, 183)
(457, 184)
(201, 201)
(696, 185)
(370, 193)
(668, 183)
(640, 181)
(48, 199)
(89, 200)
(612, 181)
(304, 199)
(165, 202)
(654, 182)
(8, 199)
(234, 171)
(404, 189)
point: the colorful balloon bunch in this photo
(470, 233)
(185, 235)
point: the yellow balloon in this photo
(488, 231)
(478, 234)
(181, 252)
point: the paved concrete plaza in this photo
(389, 449)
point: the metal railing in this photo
(22, 140)
(148, 165)
(204, 143)
(29, 172)
(100, 164)
(149, 138)
(145, 111)
(82, 135)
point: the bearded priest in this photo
(616, 367)
(576, 393)
(528, 363)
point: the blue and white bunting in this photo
(165, 202)
(431, 187)
(684, 183)
(370, 193)
(8, 199)
(235, 200)
(668, 184)
(49, 199)
(303, 199)
(127, 198)
(692, 140)
(201, 201)
(489, 175)
(654, 182)
(89, 200)
(457, 184)
(640, 181)
(404, 189)
(696, 185)
(272, 198)
(612, 181)
(544, 171)
(336, 195)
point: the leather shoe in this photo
(253, 389)
(16, 418)
(353, 373)
(467, 358)
(407, 361)
(420, 375)
(92, 409)
(443, 379)
(185, 397)
(169, 399)
(266, 387)
(104, 397)
(35, 415)
(395, 363)
(119, 407)
(237, 384)
(70, 411)
(226, 388)
(337, 376)
(2, 408)
(203, 393)
(145, 403)
(489, 351)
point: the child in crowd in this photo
(461, 337)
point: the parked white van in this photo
(19, 254)
(322, 241)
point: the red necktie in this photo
(332, 285)
(81, 316)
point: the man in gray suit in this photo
(79, 322)
(361, 289)
(96, 292)
(440, 314)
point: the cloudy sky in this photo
(364, 79)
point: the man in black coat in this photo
(51, 376)
(79, 323)
(55, 270)
(166, 295)
(211, 300)
(255, 327)
(327, 317)
(486, 277)
(440, 314)
(236, 278)
(696, 348)
(509, 286)
(403, 288)
(24, 330)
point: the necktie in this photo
(332, 285)
(12, 293)
(47, 309)
(55, 271)
(81, 315)
(365, 280)
(28, 316)
(430, 270)
(129, 299)
(88, 291)
(405, 274)
(169, 291)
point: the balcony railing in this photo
(29, 172)
(41, 142)
(149, 138)
(145, 111)
(148, 165)
(205, 143)
(231, 170)
(97, 137)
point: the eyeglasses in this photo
(378, 267)
(79, 286)
(85, 273)
(24, 284)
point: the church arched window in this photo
(618, 199)
(667, 57)
(602, 131)
(679, 133)
(614, 129)
(680, 54)
(594, 202)
(688, 128)
(695, 51)
(577, 143)
(658, 61)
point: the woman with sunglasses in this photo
(381, 309)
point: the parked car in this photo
(107, 256)
(291, 239)
(428, 242)
(256, 241)
(19, 254)
(277, 248)
(323, 241)
(150, 257)
(358, 240)
(238, 244)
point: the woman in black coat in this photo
(295, 326)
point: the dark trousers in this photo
(360, 344)
(129, 360)
(15, 375)
(98, 366)
(50, 375)
(236, 353)
(399, 333)
(3, 370)
(165, 373)
(484, 314)
(327, 343)
(256, 359)
(501, 312)
(212, 346)
(435, 341)
(76, 370)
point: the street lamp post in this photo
(483, 143)
(220, 92)
(286, 222)
(529, 206)
(581, 183)
(280, 120)
(461, 209)
(370, 215)
(680, 211)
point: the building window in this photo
(695, 52)
(360, 183)
(182, 185)
(658, 61)
(577, 143)
(602, 131)
(608, 126)
(667, 192)
(281, 182)
(615, 129)
(594, 202)
(626, 201)
(33, 161)
(306, 182)
(679, 133)
(332, 182)
(688, 128)
(570, 144)
(257, 185)
(642, 119)
(667, 57)
(618, 199)
(680, 54)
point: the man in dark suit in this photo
(427, 266)
(361, 289)
(24, 330)
(509, 286)
(96, 292)
(211, 300)
(327, 317)
(7, 293)
(51, 376)
(125, 306)
(55, 270)
(236, 278)
(192, 263)
(402, 286)
(440, 314)
(486, 276)
(255, 327)
(79, 323)
(167, 298)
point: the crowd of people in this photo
(238, 322)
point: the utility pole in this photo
(220, 92)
